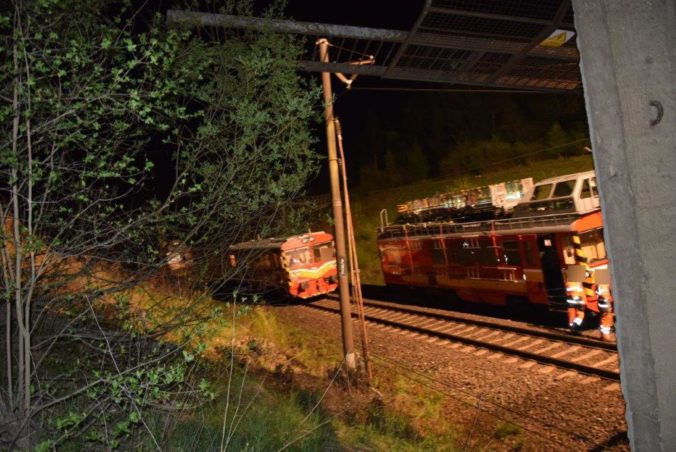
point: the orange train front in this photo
(301, 266)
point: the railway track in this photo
(577, 353)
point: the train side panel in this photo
(489, 268)
(479, 268)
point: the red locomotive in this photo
(486, 255)
(301, 266)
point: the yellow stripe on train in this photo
(313, 273)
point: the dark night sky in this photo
(364, 13)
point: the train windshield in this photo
(589, 188)
(564, 188)
(593, 246)
(554, 197)
(324, 252)
(541, 192)
(558, 190)
(299, 257)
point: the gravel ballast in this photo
(552, 408)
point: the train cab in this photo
(572, 193)
(300, 266)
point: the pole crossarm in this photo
(190, 18)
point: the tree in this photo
(415, 164)
(116, 139)
(556, 140)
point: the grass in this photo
(262, 416)
(276, 403)
(411, 420)
(389, 434)
(258, 418)
(506, 429)
(366, 207)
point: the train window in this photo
(541, 192)
(465, 256)
(487, 256)
(511, 254)
(487, 253)
(324, 253)
(471, 243)
(588, 188)
(568, 250)
(392, 256)
(462, 253)
(564, 188)
(593, 246)
(299, 257)
(266, 261)
(451, 251)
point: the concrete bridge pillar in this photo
(628, 63)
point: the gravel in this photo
(483, 391)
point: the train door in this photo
(551, 271)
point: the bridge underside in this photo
(506, 44)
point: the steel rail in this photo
(582, 368)
(485, 323)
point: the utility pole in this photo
(343, 285)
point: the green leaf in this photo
(188, 357)
(44, 446)
(134, 417)
(121, 428)
(130, 44)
